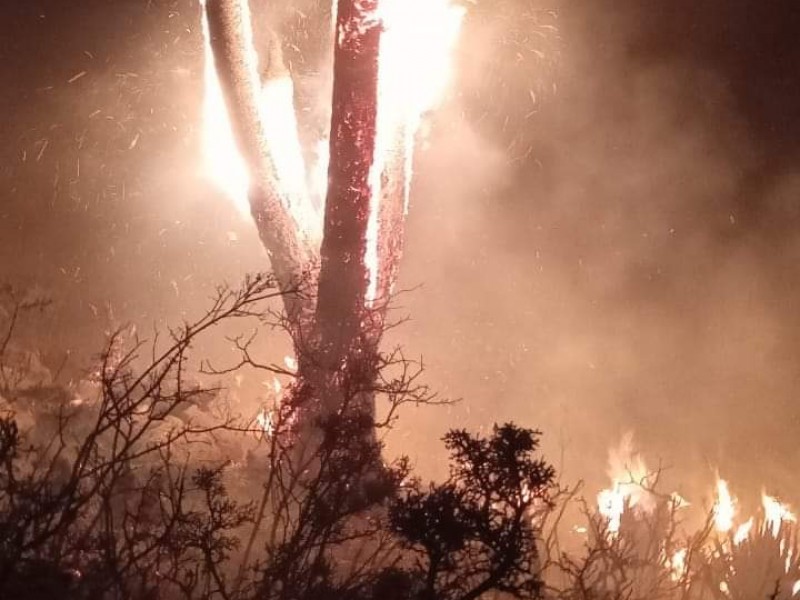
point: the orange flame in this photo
(629, 478)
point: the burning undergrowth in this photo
(141, 480)
(641, 541)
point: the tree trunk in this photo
(344, 274)
(336, 329)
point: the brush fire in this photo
(646, 543)
(207, 462)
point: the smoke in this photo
(602, 221)
(632, 273)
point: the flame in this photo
(290, 362)
(265, 421)
(629, 478)
(743, 531)
(414, 68)
(775, 514)
(677, 564)
(223, 164)
(724, 507)
(415, 60)
(611, 504)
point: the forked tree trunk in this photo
(335, 329)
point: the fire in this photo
(265, 421)
(290, 362)
(743, 531)
(223, 164)
(677, 564)
(629, 478)
(724, 507)
(775, 514)
(415, 63)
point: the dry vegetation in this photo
(137, 483)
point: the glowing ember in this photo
(724, 507)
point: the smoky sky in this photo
(604, 226)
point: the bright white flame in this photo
(724, 507)
(223, 164)
(677, 564)
(290, 362)
(278, 117)
(629, 478)
(743, 531)
(775, 514)
(414, 70)
(611, 504)
(415, 63)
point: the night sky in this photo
(605, 230)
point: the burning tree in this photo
(335, 246)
